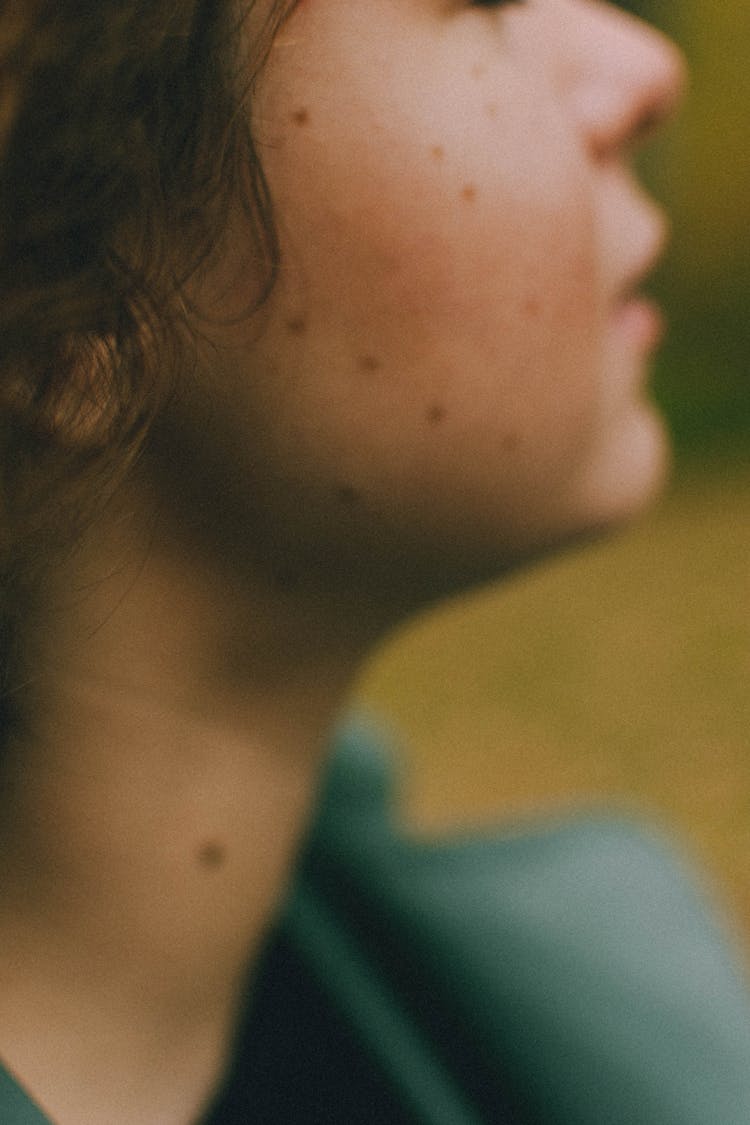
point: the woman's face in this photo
(449, 374)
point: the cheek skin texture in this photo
(431, 276)
(428, 380)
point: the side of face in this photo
(449, 376)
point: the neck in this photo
(153, 816)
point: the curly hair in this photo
(121, 152)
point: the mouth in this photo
(642, 320)
(637, 315)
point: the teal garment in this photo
(16, 1108)
(582, 953)
(578, 955)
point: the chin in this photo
(634, 472)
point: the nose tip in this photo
(661, 91)
(632, 86)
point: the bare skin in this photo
(303, 498)
(151, 825)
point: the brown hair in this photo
(120, 142)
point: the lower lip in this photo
(642, 321)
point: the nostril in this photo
(630, 81)
(646, 126)
(620, 115)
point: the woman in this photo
(312, 314)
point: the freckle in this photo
(436, 414)
(478, 70)
(348, 495)
(492, 109)
(369, 363)
(438, 152)
(297, 326)
(212, 854)
(510, 442)
(301, 116)
(531, 306)
(469, 193)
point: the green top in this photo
(577, 957)
(16, 1108)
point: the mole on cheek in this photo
(436, 413)
(297, 326)
(211, 853)
(369, 363)
(469, 193)
(348, 495)
(437, 152)
(301, 116)
(492, 109)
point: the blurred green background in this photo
(621, 673)
(702, 170)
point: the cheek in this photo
(420, 209)
(440, 270)
(456, 379)
(405, 247)
(481, 312)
